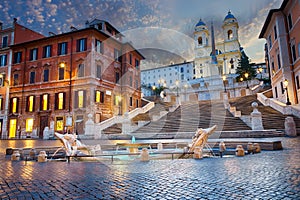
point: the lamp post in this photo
(246, 76)
(177, 83)
(224, 82)
(286, 82)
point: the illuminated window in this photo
(14, 105)
(29, 125)
(99, 97)
(80, 99)
(60, 101)
(30, 104)
(1, 103)
(44, 103)
(59, 123)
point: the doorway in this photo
(43, 124)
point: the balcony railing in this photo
(3, 45)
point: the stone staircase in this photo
(272, 119)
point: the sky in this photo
(131, 16)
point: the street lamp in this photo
(260, 71)
(246, 76)
(153, 88)
(224, 82)
(286, 82)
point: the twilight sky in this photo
(126, 15)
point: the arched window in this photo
(229, 34)
(200, 42)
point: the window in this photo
(61, 73)
(80, 99)
(3, 60)
(62, 48)
(282, 88)
(81, 45)
(270, 41)
(297, 83)
(44, 105)
(99, 46)
(117, 77)
(14, 105)
(137, 63)
(275, 32)
(29, 125)
(99, 96)
(299, 49)
(276, 93)
(117, 55)
(47, 51)
(290, 22)
(80, 70)
(30, 103)
(278, 60)
(98, 71)
(17, 57)
(34, 54)
(130, 101)
(16, 79)
(136, 84)
(181, 70)
(59, 123)
(46, 75)
(4, 41)
(200, 41)
(1, 103)
(137, 103)
(60, 101)
(273, 67)
(294, 56)
(230, 34)
(130, 59)
(32, 77)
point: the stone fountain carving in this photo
(200, 138)
(71, 144)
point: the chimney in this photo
(87, 23)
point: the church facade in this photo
(216, 58)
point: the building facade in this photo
(58, 81)
(282, 33)
(225, 53)
(167, 76)
(12, 34)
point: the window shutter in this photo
(102, 97)
(27, 104)
(50, 50)
(41, 102)
(85, 44)
(10, 105)
(102, 47)
(76, 99)
(78, 46)
(84, 98)
(17, 110)
(56, 101)
(33, 104)
(66, 48)
(64, 100)
(95, 95)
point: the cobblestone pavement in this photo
(267, 175)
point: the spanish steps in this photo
(203, 114)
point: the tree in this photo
(244, 67)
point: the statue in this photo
(70, 142)
(200, 138)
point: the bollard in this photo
(249, 148)
(144, 155)
(239, 151)
(42, 157)
(197, 153)
(15, 156)
(222, 148)
(256, 148)
(32, 154)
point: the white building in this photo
(167, 76)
